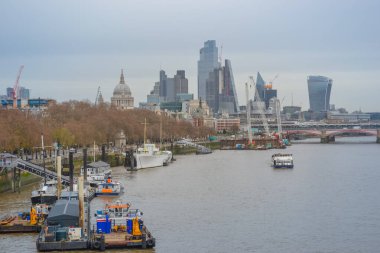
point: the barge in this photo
(25, 222)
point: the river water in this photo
(233, 201)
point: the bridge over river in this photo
(328, 135)
(327, 132)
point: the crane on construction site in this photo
(249, 127)
(16, 87)
(97, 96)
(270, 84)
(278, 114)
(260, 107)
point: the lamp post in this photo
(43, 155)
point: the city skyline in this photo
(70, 48)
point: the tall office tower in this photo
(163, 79)
(180, 82)
(319, 93)
(229, 86)
(260, 85)
(10, 92)
(220, 90)
(24, 93)
(169, 87)
(213, 88)
(208, 61)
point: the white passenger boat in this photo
(97, 172)
(282, 161)
(150, 156)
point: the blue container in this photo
(129, 226)
(103, 226)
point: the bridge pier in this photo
(326, 138)
(16, 180)
(378, 136)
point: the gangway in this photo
(192, 144)
(39, 171)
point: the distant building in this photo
(192, 107)
(220, 90)
(170, 87)
(292, 112)
(23, 93)
(227, 124)
(10, 93)
(260, 86)
(180, 97)
(319, 93)
(181, 83)
(375, 116)
(264, 90)
(154, 96)
(122, 97)
(120, 140)
(208, 61)
(336, 117)
(171, 106)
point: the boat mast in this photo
(160, 131)
(43, 155)
(144, 132)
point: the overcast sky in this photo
(71, 47)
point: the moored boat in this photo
(109, 188)
(203, 151)
(149, 156)
(46, 194)
(119, 226)
(97, 171)
(282, 161)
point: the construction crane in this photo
(270, 84)
(278, 114)
(259, 107)
(249, 127)
(16, 87)
(97, 96)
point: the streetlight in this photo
(43, 155)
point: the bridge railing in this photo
(39, 171)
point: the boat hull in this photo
(43, 199)
(149, 161)
(283, 166)
(107, 194)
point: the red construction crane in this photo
(16, 88)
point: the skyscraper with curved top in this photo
(319, 93)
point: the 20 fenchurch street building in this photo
(319, 93)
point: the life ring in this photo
(97, 245)
(149, 243)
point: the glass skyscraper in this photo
(220, 90)
(208, 61)
(319, 93)
(260, 86)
